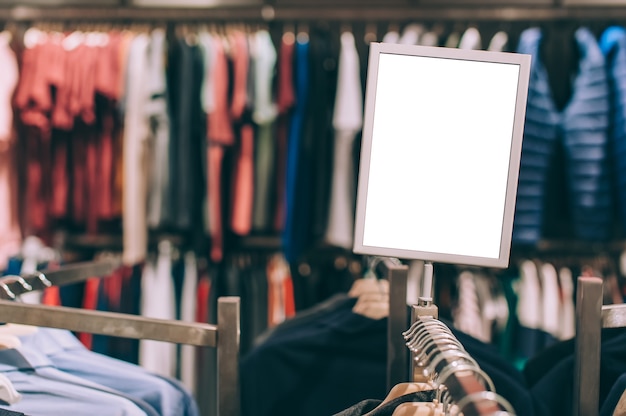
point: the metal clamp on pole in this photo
(425, 307)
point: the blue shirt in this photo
(167, 397)
(47, 391)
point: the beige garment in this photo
(620, 409)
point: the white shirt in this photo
(347, 121)
(136, 134)
(265, 109)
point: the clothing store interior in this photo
(182, 208)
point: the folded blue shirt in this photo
(47, 391)
(166, 396)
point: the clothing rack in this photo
(591, 317)
(428, 337)
(465, 382)
(224, 336)
(269, 13)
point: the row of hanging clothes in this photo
(184, 130)
(173, 284)
(220, 131)
(518, 324)
(528, 307)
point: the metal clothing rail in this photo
(436, 354)
(591, 317)
(224, 337)
(268, 13)
(442, 360)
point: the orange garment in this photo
(220, 129)
(90, 302)
(243, 184)
(215, 158)
(52, 296)
(240, 59)
(219, 134)
(243, 193)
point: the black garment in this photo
(614, 396)
(184, 77)
(306, 316)
(318, 133)
(388, 408)
(333, 359)
(550, 375)
(127, 349)
(5, 412)
(331, 353)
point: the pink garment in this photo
(240, 58)
(285, 101)
(241, 219)
(60, 175)
(10, 238)
(220, 129)
(215, 158)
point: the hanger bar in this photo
(108, 323)
(614, 316)
(275, 13)
(65, 275)
(461, 381)
(77, 272)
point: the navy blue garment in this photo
(615, 394)
(331, 352)
(320, 367)
(581, 129)
(14, 266)
(296, 208)
(4, 412)
(613, 45)
(102, 343)
(551, 379)
(127, 349)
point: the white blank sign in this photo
(441, 142)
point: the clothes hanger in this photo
(369, 282)
(8, 394)
(303, 32)
(490, 397)
(370, 33)
(402, 389)
(419, 409)
(374, 305)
